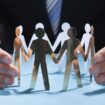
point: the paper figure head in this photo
(21, 29)
(65, 26)
(39, 25)
(87, 28)
(92, 30)
(17, 31)
(72, 32)
(39, 32)
(17, 44)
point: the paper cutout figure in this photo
(34, 37)
(22, 38)
(17, 48)
(40, 47)
(92, 48)
(70, 45)
(61, 38)
(88, 42)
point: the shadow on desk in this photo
(32, 92)
(96, 92)
(5, 92)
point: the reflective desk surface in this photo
(90, 94)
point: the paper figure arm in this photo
(80, 49)
(24, 44)
(57, 42)
(26, 56)
(64, 47)
(90, 47)
(52, 55)
(34, 37)
(17, 44)
(83, 40)
(47, 39)
(93, 46)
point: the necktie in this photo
(54, 11)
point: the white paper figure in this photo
(62, 37)
(86, 37)
(85, 42)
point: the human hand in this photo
(98, 69)
(7, 71)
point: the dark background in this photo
(29, 12)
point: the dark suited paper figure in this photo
(40, 47)
(70, 45)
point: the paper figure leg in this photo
(45, 76)
(34, 76)
(66, 76)
(81, 63)
(62, 63)
(19, 73)
(77, 73)
(17, 64)
(91, 62)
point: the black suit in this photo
(30, 12)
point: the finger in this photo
(2, 86)
(5, 79)
(5, 57)
(100, 56)
(9, 70)
(97, 68)
(100, 79)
